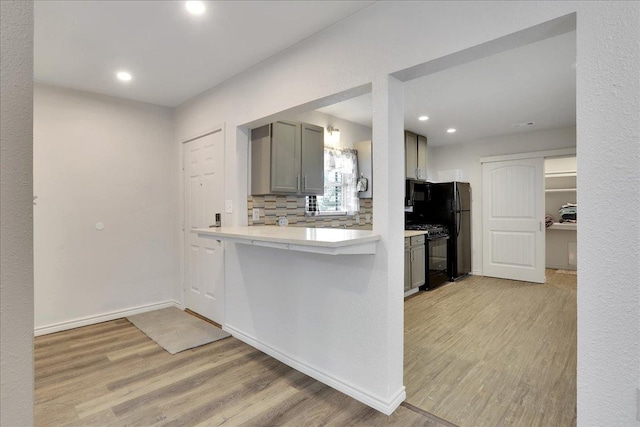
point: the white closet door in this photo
(513, 219)
(204, 194)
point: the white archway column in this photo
(388, 184)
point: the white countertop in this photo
(333, 241)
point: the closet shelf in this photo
(563, 226)
(560, 174)
(559, 190)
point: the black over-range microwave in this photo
(417, 191)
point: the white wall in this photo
(388, 37)
(16, 211)
(102, 159)
(350, 132)
(466, 157)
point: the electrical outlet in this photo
(228, 206)
(283, 221)
(256, 214)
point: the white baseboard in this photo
(476, 273)
(561, 266)
(384, 406)
(105, 317)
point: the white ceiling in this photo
(174, 56)
(171, 54)
(486, 97)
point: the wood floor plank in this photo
(262, 398)
(59, 338)
(170, 378)
(167, 362)
(187, 395)
(240, 402)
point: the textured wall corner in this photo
(608, 101)
(16, 214)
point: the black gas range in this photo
(436, 250)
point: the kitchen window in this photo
(340, 178)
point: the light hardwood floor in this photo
(480, 352)
(492, 352)
(111, 374)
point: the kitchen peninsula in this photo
(304, 296)
(331, 241)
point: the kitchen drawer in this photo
(417, 240)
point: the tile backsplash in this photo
(293, 207)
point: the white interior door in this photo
(513, 219)
(204, 194)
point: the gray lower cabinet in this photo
(414, 262)
(407, 264)
(287, 158)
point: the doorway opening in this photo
(478, 350)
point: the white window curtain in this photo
(341, 177)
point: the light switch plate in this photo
(256, 214)
(228, 206)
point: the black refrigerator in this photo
(449, 203)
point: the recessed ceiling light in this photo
(124, 76)
(451, 130)
(195, 7)
(423, 118)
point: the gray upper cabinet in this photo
(410, 154)
(312, 160)
(287, 158)
(422, 157)
(415, 152)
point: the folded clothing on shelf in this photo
(568, 212)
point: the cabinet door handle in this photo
(297, 182)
